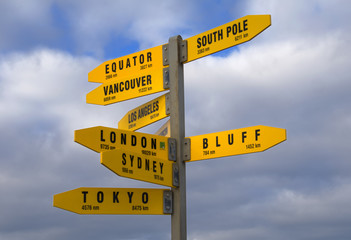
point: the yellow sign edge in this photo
(56, 196)
(138, 154)
(285, 138)
(123, 125)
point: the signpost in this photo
(137, 166)
(225, 36)
(235, 142)
(100, 139)
(153, 158)
(115, 201)
(145, 114)
(176, 75)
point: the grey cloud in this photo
(288, 191)
(300, 189)
(43, 104)
(24, 24)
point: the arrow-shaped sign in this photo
(137, 166)
(228, 35)
(225, 36)
(130, 65)
(165, 129)
(100, 139)
(115, 201)
(141, 73)
(235, 142)
(145, 114)
(124, 88)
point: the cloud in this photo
(294, 75)
(295, 83)
(295, 18)
(91, 27)
(25, 24)
(96, 24)
(42, 102)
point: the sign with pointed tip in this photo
(145, 114)
(165, 130)
(100, 139)
(137, 201)
(129, 65)
(141, 73)
(137, 166)
(225, 36)
(124, 88)
(235, 142)
(217, 39)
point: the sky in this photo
(294, 75)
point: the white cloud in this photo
(268, 78)
(294, 75)
(42, 103)
(287, 79)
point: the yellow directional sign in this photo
(112, 201)
(127, 87)
(100, 139)
(137, 166)
(165, 130)
(129, 65)
(235, 142)
(227, 35)
(145, 114)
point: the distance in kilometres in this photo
(112, 201)
(136, 166)
(225, 36)
(130, 65)
(121, 89)
(235, 142)
(145, 114)
(100, 139)
(137, 64)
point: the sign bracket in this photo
(183, 52)
(166, 78)
(187, 147)
(175, 175)
(168, 104)
(165, 54)
(172, 149)
(167, 202)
